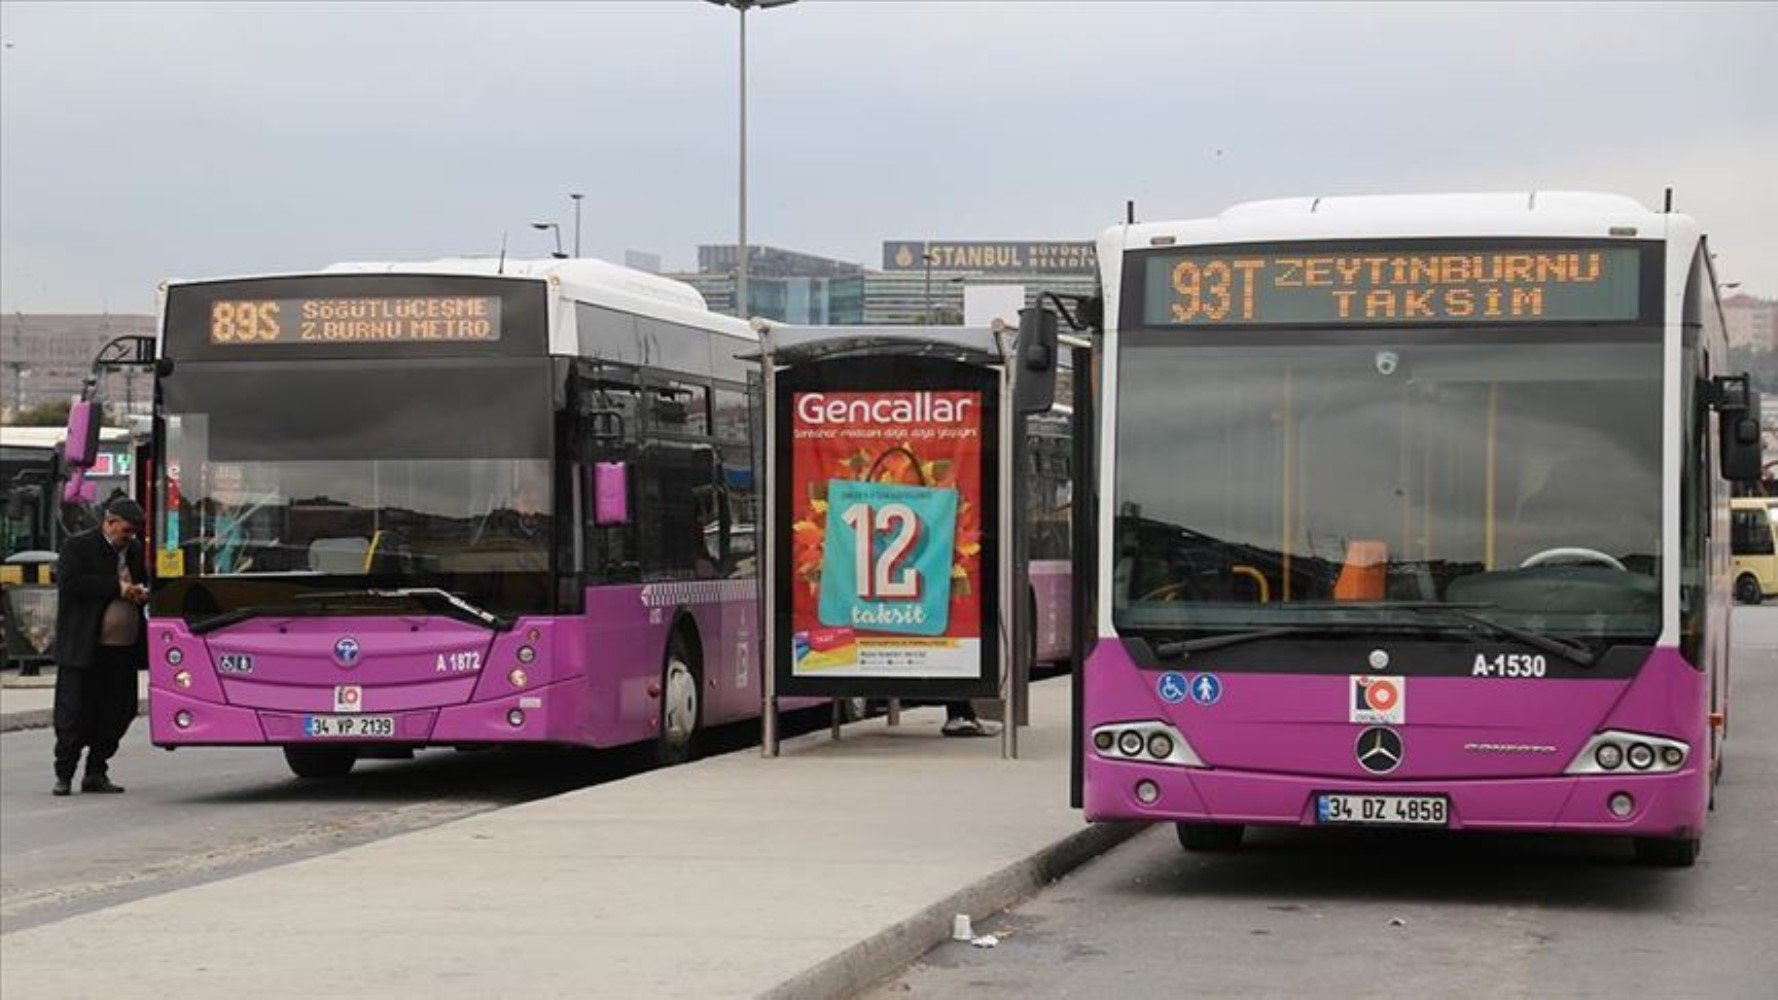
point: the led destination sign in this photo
(1372, 287)
(367, 320)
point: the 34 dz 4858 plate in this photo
(1341, 809)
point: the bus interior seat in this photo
(1364, 576)
(339, 555)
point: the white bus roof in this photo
(580, 279)
(1508, 214)
(589, 277)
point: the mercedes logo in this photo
(1379, 750)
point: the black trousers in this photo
(94, 707)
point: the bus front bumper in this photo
(1663, 805)
(177, 720)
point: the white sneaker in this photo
(969, 727)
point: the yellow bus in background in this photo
(1753, 541)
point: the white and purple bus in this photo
(454, 503)
(1414, 512)
(1049, 505)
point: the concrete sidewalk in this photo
(810, 875)
(28, 702)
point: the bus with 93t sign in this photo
(456, 503)
(1413, 512)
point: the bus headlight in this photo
(517, 677)
(175, 656)
(527, 654)
(1609, 751)
(1128, 740)
(1609, 756)
(182, 680)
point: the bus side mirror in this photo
(611, 493)
(78, 491)
(1034, 374)
(82, 443)
(1738, 430)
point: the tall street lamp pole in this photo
(577, 198)
(743, 6)
(552, 227)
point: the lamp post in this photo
(577, 198)
(742, 7)
(559, 255)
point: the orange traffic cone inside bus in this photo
(1362, 577)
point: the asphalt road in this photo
(200, 814)
(1301, 913)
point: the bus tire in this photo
(1747, 589)
(681, 702)
(1209, 836)
(1668, 852)
(320, 762)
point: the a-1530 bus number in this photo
(1510, 665)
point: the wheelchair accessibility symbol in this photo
(1171, 687)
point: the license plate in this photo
(336, 726)
(1383, 810)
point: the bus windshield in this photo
(1353, 478)
(433, 474)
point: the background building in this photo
(921, 281)
(44, 358)
(1752, 323)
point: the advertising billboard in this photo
(887, 579)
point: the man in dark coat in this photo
(101, 641)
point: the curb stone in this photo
(43, 718)
(892, 949)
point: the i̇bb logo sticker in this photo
(348, 698)
(1378, 701)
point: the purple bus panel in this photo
(1270, 743)
(591, 680)
(1051, 591)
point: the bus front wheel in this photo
(676, 740)
(1747, 589)
(320, 762)
(1668, 852)
(1209, 836)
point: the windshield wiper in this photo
(432, 598)
(1184, 647)
(227, 618)
(1576, 654)
(1579, 655)
(466, 611)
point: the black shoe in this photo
(63, 786)
(102, 785)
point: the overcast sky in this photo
(143, 141)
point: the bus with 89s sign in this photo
(456, 503)
(1413, 512)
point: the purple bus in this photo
(1049, 501)
(1414, 512)
(457, 503)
